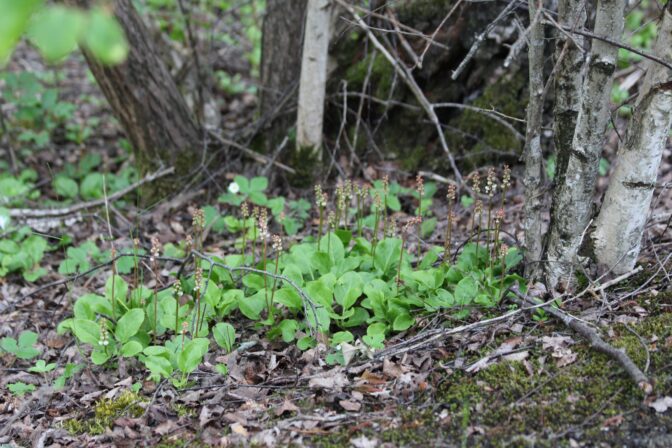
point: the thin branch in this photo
(616, 44)
(595, 341)
(260, 158)
(480, 38)
(57, 212)
(412, 85)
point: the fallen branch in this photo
(595, 341)
(26, 213)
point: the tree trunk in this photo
(533, 177)
(312, 87)
(572, 203)
(570, 62)
(145, 99)
(280, 67)
(620, 224)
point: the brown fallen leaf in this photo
(614, 421)
(239, 429)
(286, 406)
(351, 406)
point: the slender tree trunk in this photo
(620, 224)
(570, 60)
(145, 99)
(280, 67)
(312, 87)
(533, 177)
(572, 202)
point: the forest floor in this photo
(522, 381)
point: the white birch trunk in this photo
(620, 224)
(572, 202)
(313, 79)
(533, 155)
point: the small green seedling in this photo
(23, 348)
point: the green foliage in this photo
(23, 348)
(20, 389)
(42, 367)
(56, 30)
(38, 110)
(21, 251)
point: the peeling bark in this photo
(620, 224)
(572, 202)
(568, 80)
(533, 177)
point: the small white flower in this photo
(234, 188)
(4, 220)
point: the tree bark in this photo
(145, 99)
(620, 224)
(533, 177)
(312, 87)
(282, 38)
(570, 62)
(572, 202)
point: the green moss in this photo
(517, 408)
(477, 132)
(306, 162)
(380, 78)
(106, 412)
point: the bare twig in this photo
(403, 72)
(56, 212)
(260, 158)
(480, 38)
(595, 341)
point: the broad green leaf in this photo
(86, 331)
(290, 298)
(105, 38)
(56, 30)
(159, 366)
(387, 254)
(332, 244)
(99, 357)
(258, 184)
(192, 355)
(348, 289)
(252, 306)
(402, 322)
(13, 21)
(131, 348)
(465, 291)
(225, 335)
(129, 324)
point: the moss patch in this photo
(106, 411)
(505, 405)
(477, 132)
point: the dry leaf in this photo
(662, 404)
(239, 429)
(351, 406)
(287, 406)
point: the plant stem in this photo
(275, 279)
(375, 233)
(319, 228)
(401, 256)
(265, 279)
